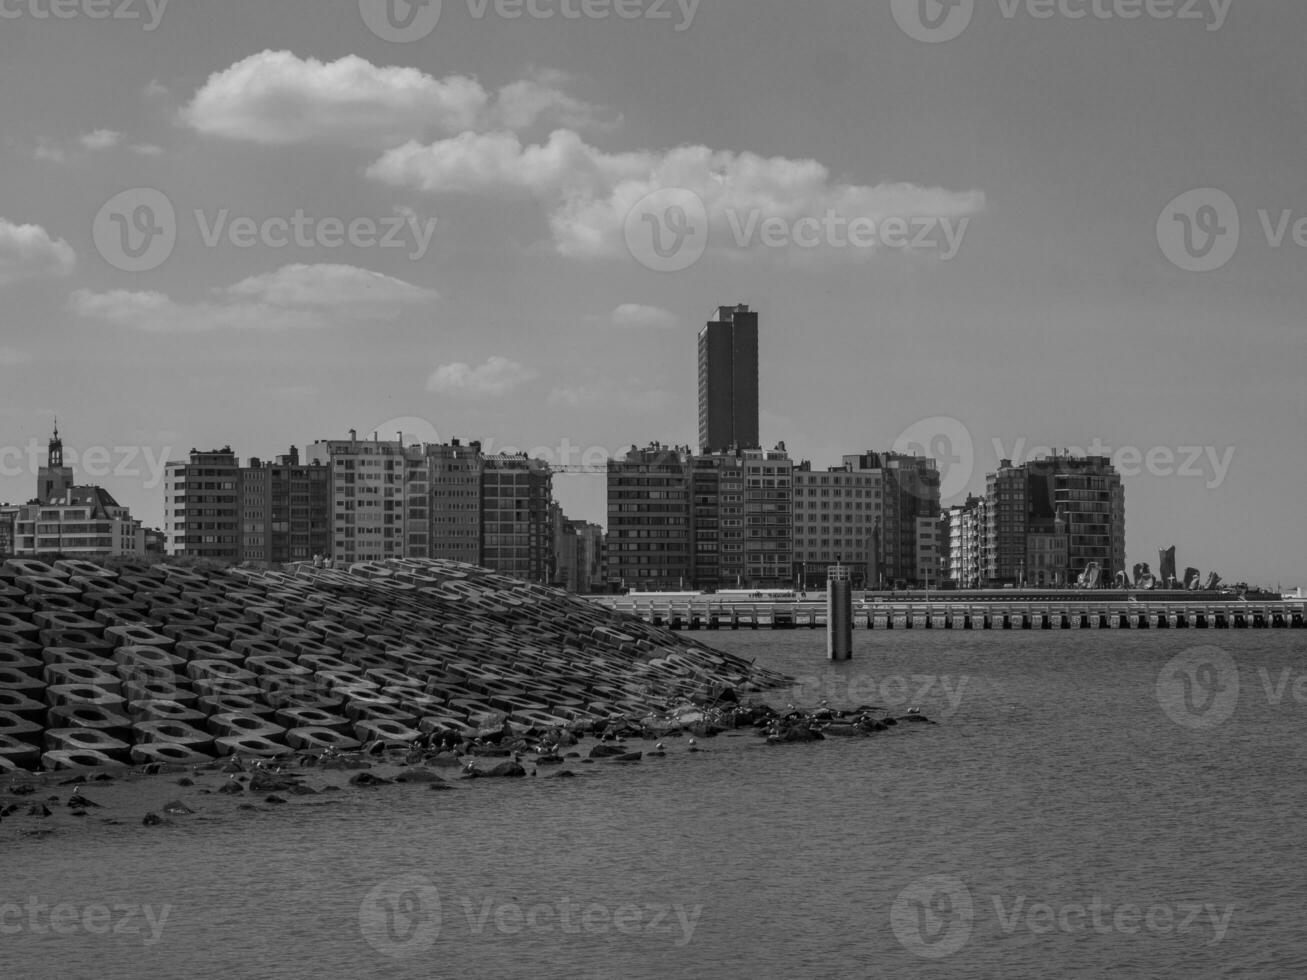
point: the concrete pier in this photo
(709, 612)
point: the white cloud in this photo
(13, 357)
(644, 317)
(629, 396)
(48, 153)
(588, 192)
(148, 149)
(522, 104)
(100, 139)
(295, 297)
(497, 376)
(28, 252)
(277, 98)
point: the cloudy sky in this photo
(263, 223)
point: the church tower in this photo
(54, 480)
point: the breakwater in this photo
(158, 664)
(713, 614)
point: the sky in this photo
(980, 229)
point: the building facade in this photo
(910, 491)
(516, 500)
(202, 506)
(380, 505)
(649, 519)
(728, 381)
(285, 510)
(837, 518)
(455, 479)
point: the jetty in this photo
(708, 612)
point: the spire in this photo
(56, 452)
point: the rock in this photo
(272, 782)
(606, 751)
(563, 774)
(81, 802)
(273, 799)
(154, 820)
(366, 779)
(841, 731)
(231, 788)
(177, 808)
(38, 810)
(417, 776)
(629, 757)
(440, 786)
(916, 720)
(184, 781)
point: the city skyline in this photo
(1059, 321)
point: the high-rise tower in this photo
(728, 381)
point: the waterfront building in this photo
(379, 492)
(202, 506)
(837, 518)
(649, 520)
(84, 522)
(517, 537)
(928, 553)
(910, 490)
(728, 381)
(1005, 533)
(54, 479)
(965, 531)
(285, 510)
(455, 478)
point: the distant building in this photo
(66, 519)
(202, 506)
(517, 536)
(963, 560)
(85, 522)
(837, 517)
(1005, 534)
(285, 510)
(928, 553)
(910, 491)
(455, 472)
(649, 529)
(591, 557)
(380, 506)
(728, 381)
